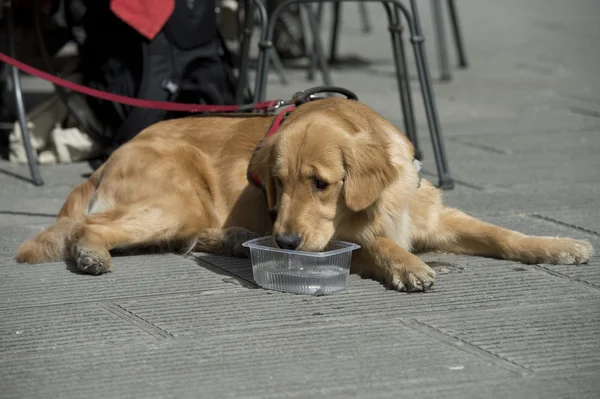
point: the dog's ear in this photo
(369, 169)
(260, 168)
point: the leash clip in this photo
(278, 104)
(319, 92)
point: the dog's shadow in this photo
(234, 270)
(237, 271)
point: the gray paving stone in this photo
(463, 283)
(256, 365)
(68, 174)
(142, 275)
(62, 328)
(21, 219)
(588, 273)
(556, 145)
(584, 219)
(533, 338)
(12, 236)
(489, 169)
(500, 388)
(523, 198)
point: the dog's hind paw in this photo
(567, 251)
(93, 262)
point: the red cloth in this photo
(146, 16)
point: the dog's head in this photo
(328, 162)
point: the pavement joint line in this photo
(483, 147)
(537, 69)
(578, 97)
(554, 273)
(462, 134)
(136, 320)
(570, 225)
(118, 298)
(459, 343)
(585, 111)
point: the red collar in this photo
(252, 177)
(297, 100)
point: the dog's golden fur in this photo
(336, 169)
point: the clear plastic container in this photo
(313, 273)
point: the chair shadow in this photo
(15, 176)
(341, 62)
(349, 63)
(17, 213)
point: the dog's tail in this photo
(57, 241)
(51, 245)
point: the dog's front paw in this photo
(416, 277)
(234, 238)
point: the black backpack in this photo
(186, 62)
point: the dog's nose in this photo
(287, 242)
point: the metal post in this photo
(245, 51)
(445, 180)
(364, 17)
(31, 156)
(458, 39)
(266, 57)
(318, 55)
(438, 26)
(278, 65)
(313, 61)
(402, 77)
(335, 31)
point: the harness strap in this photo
(277, 121)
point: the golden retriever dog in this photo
(334, 170)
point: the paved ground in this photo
(523, 135)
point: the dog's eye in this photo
(319, 184)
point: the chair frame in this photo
(394, 10)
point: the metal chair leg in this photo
(273, 56)
(438, 26)
(335, 32)
(445, 180)
(245, 51)
(313, 62)
(364, 17)
(402, 77)
(458, 38)
(267, 58)
(31, 156)
(278, 65)
(306, 12)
